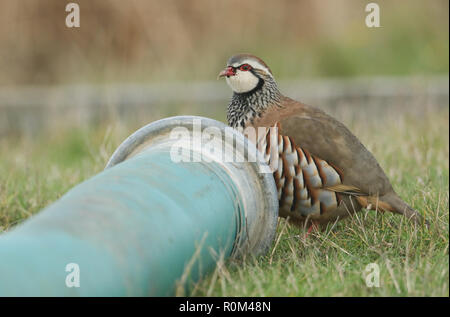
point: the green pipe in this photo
(147, 225)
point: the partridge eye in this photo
(245, 67)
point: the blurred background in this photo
(136, 61)
(155, 41)
(71, 93)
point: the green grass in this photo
(412, 147)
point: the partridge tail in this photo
(391, 202)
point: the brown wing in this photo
(328, 139)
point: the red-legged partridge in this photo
(322, 171)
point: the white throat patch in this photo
(243, 81)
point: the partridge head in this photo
(323, 172)
(254, 89)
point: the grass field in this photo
(412, 145)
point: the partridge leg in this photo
(312, 227)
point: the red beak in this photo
(229, 71)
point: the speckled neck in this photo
(245, 107)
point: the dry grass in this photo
(176, 40)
